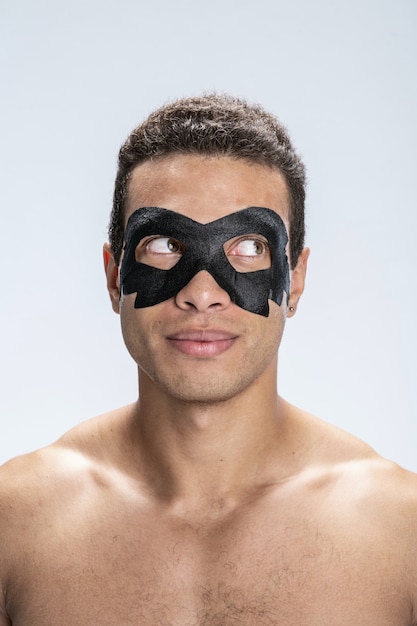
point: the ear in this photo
(112, 274)
(298, 276)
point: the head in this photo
(212, 125)
(217, 220)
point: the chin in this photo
(206, 397)
(204, 390)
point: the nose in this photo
(203, 294)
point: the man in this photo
(211, 500)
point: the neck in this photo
(196, 451)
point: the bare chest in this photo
(117, 566)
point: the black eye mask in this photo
(203, 244)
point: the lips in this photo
(202, 343)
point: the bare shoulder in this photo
(373, 496)
(28, 480)
(42, 479)
(29, 488)
(384, 499)
(362, 472)
(38, 490)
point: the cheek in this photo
(268, 330)
(132, 325)
(139, 326)
(276, 313)
(275, 325)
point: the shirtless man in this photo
(211, 500)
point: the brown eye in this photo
(249, 253)
(249, 247)
(164, 245)
(173, 245)
(258, 247)
(159, 252)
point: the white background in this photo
(77, 76)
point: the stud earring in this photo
(291, 308)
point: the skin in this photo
(212, 501)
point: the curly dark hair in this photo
(212, 125)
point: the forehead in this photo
(206, 188)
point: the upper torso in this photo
(82, 545)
